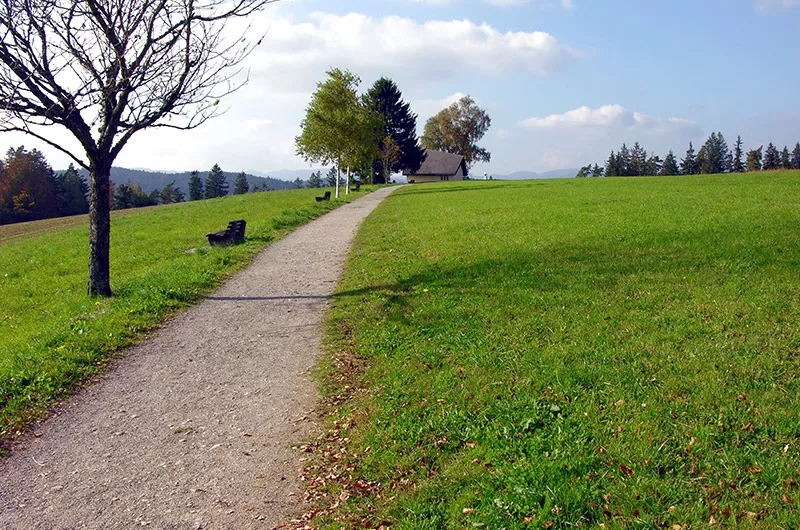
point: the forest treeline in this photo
(30, 190)
(713, 157)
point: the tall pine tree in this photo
(796, 156)
(670, 165)
(399, 130)
(689, 163)
(737, 164)
(196, 189)
(772, 158)
(216, 183)
(786, 160)
(754, 159)
(240, 186)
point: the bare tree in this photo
(106, 69)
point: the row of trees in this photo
(713, 157)
(31, 190)
(374, 135)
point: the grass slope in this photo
(617, 352)
(52, 336)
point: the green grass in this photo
(569, 353)
(53, 337)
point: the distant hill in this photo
(530, 175)
(156, 180)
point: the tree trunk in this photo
(99, 228)
(338, 173)
(347, 185)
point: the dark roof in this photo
(438, 163)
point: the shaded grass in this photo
(53, 337)
(572, 353)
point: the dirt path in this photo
(191, 428)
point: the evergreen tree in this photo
(240, 186)
(714, 156)
(584, 172)
(123, 197)
(612, 165)
(786, 161)
(624, 162)
(330, 179)
(315, 180)
(171, 194)
(772, 158)
(754, 159)
(670, 165)
(653, 166)
(298, 183)
(597, 171)
(399, 130)
(196, 189)
(154, 197)
(638, 165)
(796, 156)
(689, 163)
(216, 183)
(72, 192)
(737, 165)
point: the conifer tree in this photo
(670, 165)
(330, 179)
(772, 158)
(216, 183)
(315, 180)
(240, 186)
(689, 163)
(72, 192)
(612, 166)
(597, 171)
(737, 164)
(786, 161)
(796, 156)
(196, 189)
(754, 159)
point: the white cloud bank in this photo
(611, 116)
(432, 50)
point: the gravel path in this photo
(191, 429)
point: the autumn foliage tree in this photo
(107, 69)
(458, 129)
(27, 187)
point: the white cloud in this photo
(770, 6)
(296, 54)
(611, 116)
(569, 5)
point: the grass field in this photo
(52, 336)
(604, 352)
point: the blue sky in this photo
(564, 81)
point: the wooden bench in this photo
(325, 197)
(230, 236)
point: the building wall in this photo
(419, 179)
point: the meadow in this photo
(615, 353)
(53, 337)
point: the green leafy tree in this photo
(72, 192)
(689, 163)
(754, 157)
(399, 131)
(772, 158)
(338, 126)
(796, 156)
(458, 129)
(737, 165)
(670, 165)
(196, 188)
(240, 185)
(107, 70)
(216, 183)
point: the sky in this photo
(564, 81)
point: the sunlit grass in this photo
(573, 353)
(53, 336)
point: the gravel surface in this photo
(192, 428)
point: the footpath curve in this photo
(192, 428)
